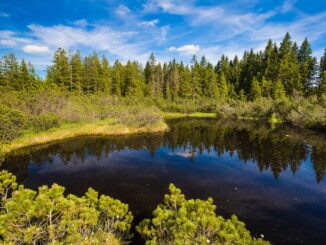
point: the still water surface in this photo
(272, 179)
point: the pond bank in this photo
(106, 127)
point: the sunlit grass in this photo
(104, 127)
(171, 115)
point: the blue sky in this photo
(171, 29)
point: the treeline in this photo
(275, 72)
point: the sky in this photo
(125, 30)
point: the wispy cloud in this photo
(3, 14)
(150, 23)
(189, 49)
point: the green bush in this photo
(181, 221)
(137, 116)
(44, 122)
(12, 123)
(48, 216)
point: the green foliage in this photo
(48, 216)
(194, 221)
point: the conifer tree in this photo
(223, 86)
(278, 90)
(185, 90)
(321, 90)
(195, 72)
(307, 66)
(289, 69)
(77, 72)
(255, 91)
(105, 78)
(117, 77)
(59, 72)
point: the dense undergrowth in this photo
(39, 110)
(48, 216)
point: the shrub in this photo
(181, 221)
(138, 116)
(12, 123)
(47, 216)
(44, 122)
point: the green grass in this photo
(171, 115)
(104, 127)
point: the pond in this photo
(271, 178)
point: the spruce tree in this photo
(289, 69)
(279, 91)
(117, 77)
(105, 78)
(77, 72)
(307, 66)
(255, 91)
(59, 72)
(321, 90)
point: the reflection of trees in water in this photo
(274, 149)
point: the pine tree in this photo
(77, 72)
(117, 77)
(195, 75)
(10, 71)
(105, 78)
(266, 87)
(271, 62)
(185, 90)
(307, 66)
(289, 69)
(132, 81)
(255, 91)
(24, 76)
(321, 89)
(278, 90)
(223, 87)
(59, 72)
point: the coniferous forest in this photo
(278, 71)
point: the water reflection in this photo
(274, 150)
(273, 179)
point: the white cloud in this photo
(188, 49)
(8, 42)
(11, 39)
(35, 49)
(122, 10)
(288, 5)
(122, 44)
(81, 22)
(150, 23)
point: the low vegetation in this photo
(48, 216)
(182, 221)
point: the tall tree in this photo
(307, 66)
(59, 72)
(77, 72)
(289, 70)
(321, 90)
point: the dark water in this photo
(272, 179)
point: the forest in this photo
(281, 84)
(275, 72)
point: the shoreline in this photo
(105, 127)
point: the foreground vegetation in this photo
(47, 216)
